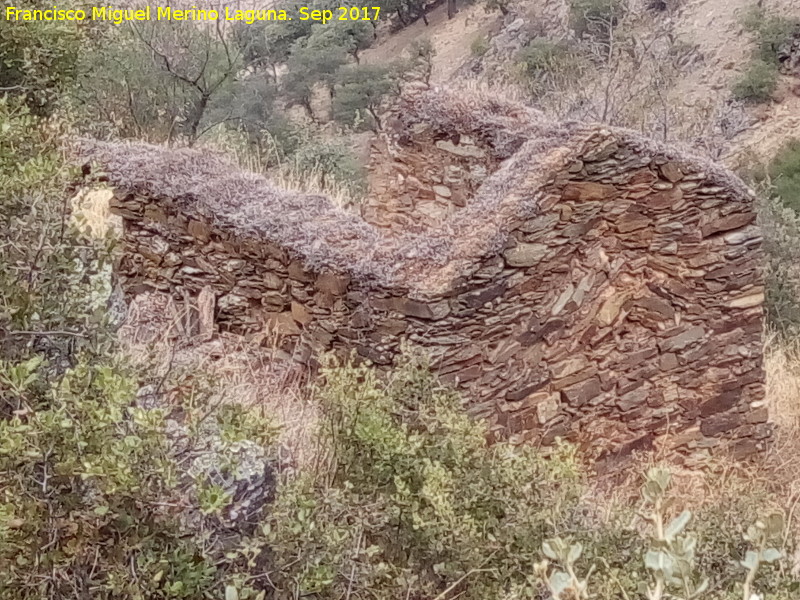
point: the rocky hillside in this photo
(667, 68)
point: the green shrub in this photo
(414, 500)
(38, 58)
(331, 162)
(779, 218)
(757, 83)
(771, 33)
(542, 63)
(784, 172)
(595, 17)
(84, 476)
(94, 494)
(678, 563)
(542, 55)
(479, 46)
(83, 473)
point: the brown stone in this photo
(335, 285)
(668, 362)
(481, 297)
(721, 403)
(671, 172)
(580, 393)
(272, 281)
(688, 336)
(587, 190)
(656, 307)
(634, 399)
(199, 230)
(300, 314)
(611, 308)
(525, 255)
(758, 415)
(663, 199)
(298, 273)
(533, 384)
(734, 221)
(632, 221)
(547, 409)
(720, 423)
(568, 367)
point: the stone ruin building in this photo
(572, 280)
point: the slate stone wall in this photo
(623, 311)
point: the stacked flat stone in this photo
(591, 285)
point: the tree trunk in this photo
(401, 17)
(451, 9)
(424, 17)
(306, 103)
(378, 125)
(198, 111)
(503, 9)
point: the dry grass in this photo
(284, 175)
(153, 338)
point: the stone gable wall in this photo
(622, 308)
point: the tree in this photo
(38, 59)
(360, 90)
(313, 61)
(418, 8)
(268, 44)
(353, 36)
(501, 5)
(160, 79)
(419, 64)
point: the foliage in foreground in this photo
(415, 504)
(779, 185)
(414, 499)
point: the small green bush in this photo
(771, 32)
(360, 92)
(38, 58)
(595, 17)
(781, 229)
(94, 493)
(415, 501)
(479, 46)
(542, 63)
(784, 172)
(543, 55)
(779, 218)
(757, 83)
(332, 162)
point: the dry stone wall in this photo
(587, 284)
